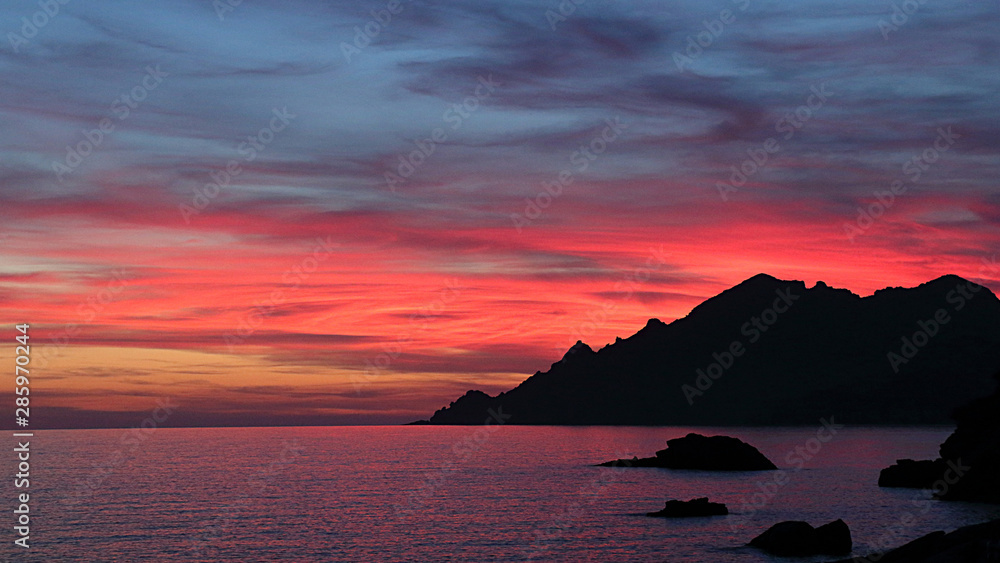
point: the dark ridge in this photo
(814, 352)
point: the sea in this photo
(453, 493)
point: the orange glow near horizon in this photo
(227, 316)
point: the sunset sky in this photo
(395, 232)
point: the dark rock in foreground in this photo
(692, 508)
(972, 544)
(969, 466)
(799, 539)
(834, 537)
(976, 443)
(694, 451)
(788, 539)
(912, 474)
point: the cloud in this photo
(194, 279)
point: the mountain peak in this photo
(949, 279)
(745, 296)
(943, 283)
(577, 350)
(763, 283)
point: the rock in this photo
(971, 544)
(788, 539)
(691, 508)
(578, 351)
(974, 449)
(969, 466)
(834, 537)
(694, 451)
(799, 539)
(912, 474)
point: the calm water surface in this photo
(420, 493)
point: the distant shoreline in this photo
(403, 425)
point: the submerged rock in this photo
(692, 508)
(694, 451)
(800, 539)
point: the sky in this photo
(353, 212)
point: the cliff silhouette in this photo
(773, 352)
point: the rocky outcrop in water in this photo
(976, 444)
(969, 466)
(692, 508)
(908, 473)
(799, 539)
(694, 451)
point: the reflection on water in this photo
(419, 493)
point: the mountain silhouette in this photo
(773, 352)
